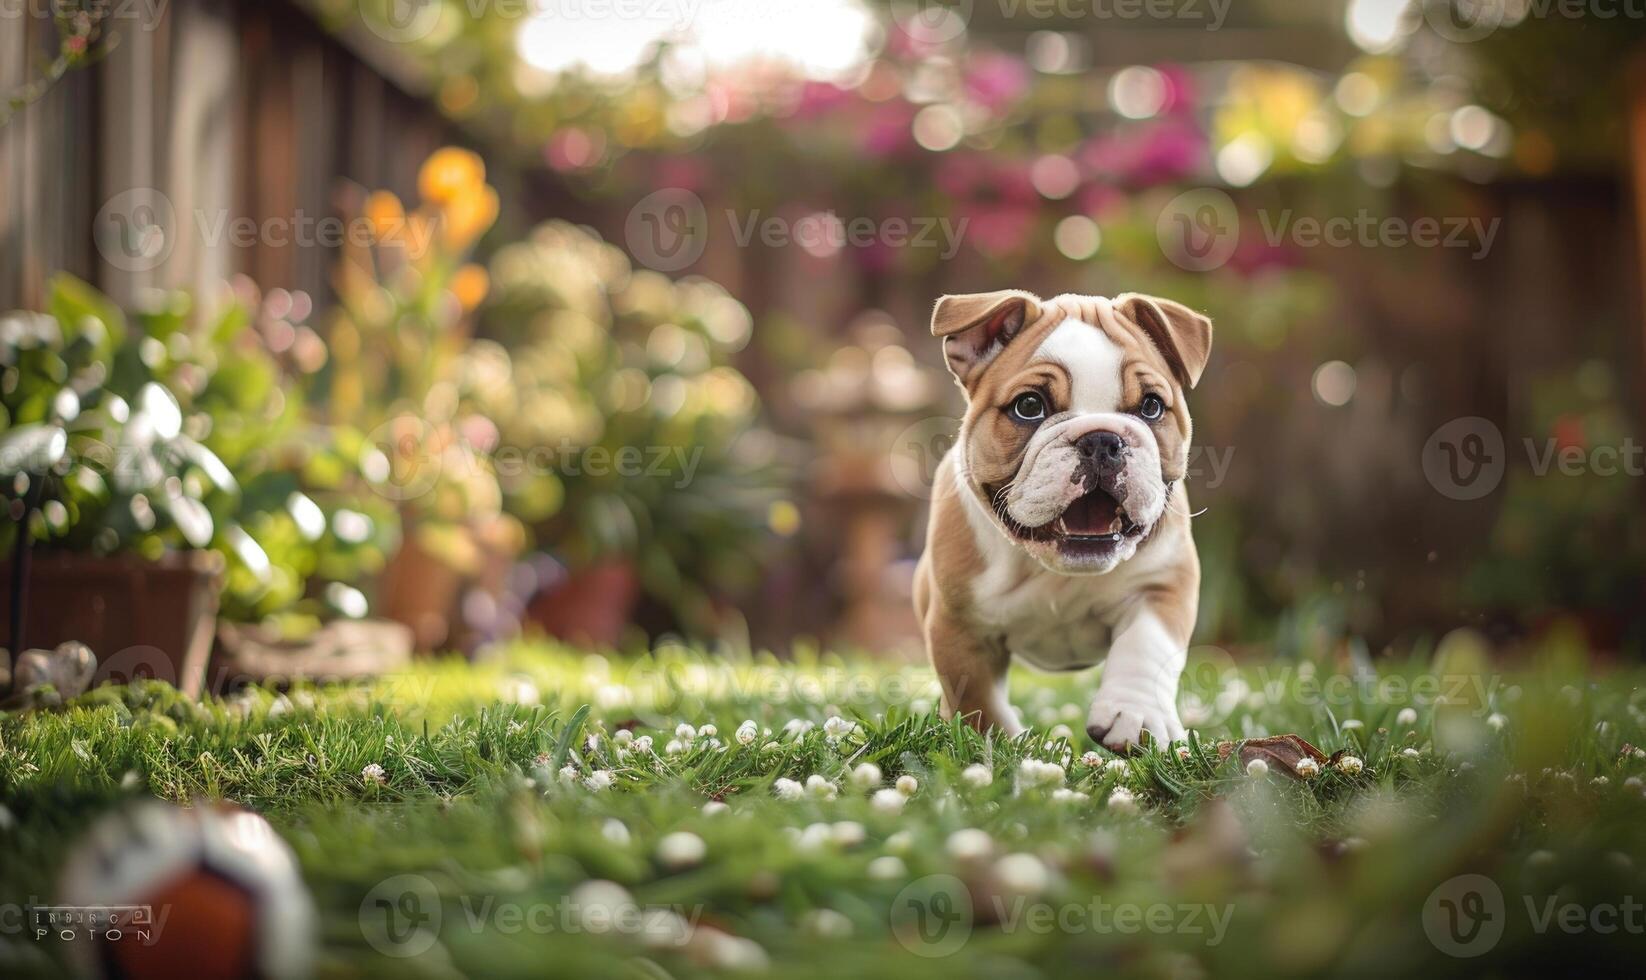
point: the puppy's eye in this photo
(1029, 407)
(1152, 408)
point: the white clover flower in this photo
(1257, 767)
(599, 903)
(1411, 753)
(708, 731)
(1124, 800)
(1090, 760)
(1022, 874)
(542, 760)
(1116, 767)
(1350, 765)
(1060, 731)
(747, 733)
(970, 844)
(684, 732)
(826, 924)
(622, 737)
(920, 706)
(1307, 768)
(1633, 782)
(373, 773)
(643, 744)
(798, 727)
(900, 842)
(838, 727)
(1600, 781)
(568, 775)
(1065, 795)
(675, 747)
(600, 779)
(820, 787)
(848, 833)
(812, 838)
(1496, 721)
(1038, 773)
(908, 785)
(681, 849)
(1353, 725)
(887, 867)
(714, 808)
(1183, 753)
(977, 776)
(788, 789)
(1406, 717)
(888, 800)
(867, 776)
(615, 831)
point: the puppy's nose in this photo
(1101, 447)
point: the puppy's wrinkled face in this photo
(1076, 424)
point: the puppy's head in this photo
(1076, 422)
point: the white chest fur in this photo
(1050, 620)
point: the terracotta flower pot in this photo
(141, 618)
(590, 606)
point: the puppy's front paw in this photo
(1118, 720)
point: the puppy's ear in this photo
(977, 326)
(1183, 336)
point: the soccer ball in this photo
(157, 890)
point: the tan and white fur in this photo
(1064, 539)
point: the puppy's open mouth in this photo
(1092, 524)
(1094, 518)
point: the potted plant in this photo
(405, 304)
(631, 447)
(160, 471)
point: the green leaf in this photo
(192, 518)
(208, 462)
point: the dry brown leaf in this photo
(1281, 752)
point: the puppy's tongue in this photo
(1094, 513)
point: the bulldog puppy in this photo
(1059, 528)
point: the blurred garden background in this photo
(347, 328)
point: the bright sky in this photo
(820, 38)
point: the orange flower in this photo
(387, 217)
(450, 171)
(468, 215)
(470, 284)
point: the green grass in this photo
(1206, 870)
